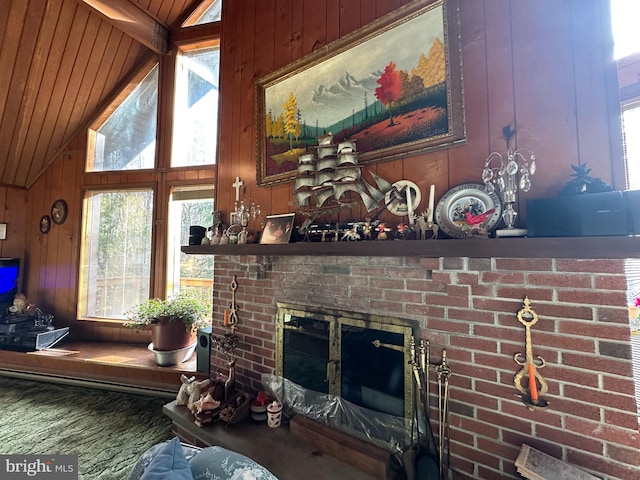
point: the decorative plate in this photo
(45, 224)
(59, 211)
(396, 198)
(466, 206)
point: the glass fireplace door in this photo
(361, 358)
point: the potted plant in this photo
(173, 322)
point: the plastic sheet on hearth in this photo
(384, 430)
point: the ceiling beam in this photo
(133, 21)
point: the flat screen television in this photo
(10, 282)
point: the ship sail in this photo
(327, 173)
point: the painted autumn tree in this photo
(390, 88)
(291, 123)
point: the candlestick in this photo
(432, 193)
(533, 388)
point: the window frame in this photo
(83, 286)
(162, 178)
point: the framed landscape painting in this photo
(394, 87)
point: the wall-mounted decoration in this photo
(45, 224)
(59, 211)
(535, 386)
(368, 87)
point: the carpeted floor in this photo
(107, 430)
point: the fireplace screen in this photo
(362, 358)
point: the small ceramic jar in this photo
(274, 414)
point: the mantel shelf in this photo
(556, 247)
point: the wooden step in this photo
(115, 366)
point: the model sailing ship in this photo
(326, 175)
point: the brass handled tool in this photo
(233, 308)
(531, 396)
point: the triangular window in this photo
(126, 138)
(208, 11)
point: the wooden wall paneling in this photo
(46, 276)
(245, 167)
(4, 206)
(500, 81)
(178, 10)
(36, 240)
(593, 73)
(56, 102)
(17, 84)
(8, 53)
(53, 66)
(388, 6)
(263, 63)
(283, 33)
(368, 12)
(169, 11)
(297, 29)
(38, 61)
(120, 62)
(465, 161)
(333, 20)
(544, 92)
(67, 248)
(349, 16)
(5, 9)
(231, 57)
(58, 244)
(92, 81)
(16, 204)
(314, 30)
(65, 121)
(424, 171)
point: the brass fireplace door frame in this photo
(336, 319)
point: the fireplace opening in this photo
(361, 358)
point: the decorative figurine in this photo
(382, 232)
(366, 229)
(425, 226)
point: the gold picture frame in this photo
(366, 87)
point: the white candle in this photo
(432, 193)
(410, 205)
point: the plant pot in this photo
(166, 335)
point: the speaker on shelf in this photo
(203, 350)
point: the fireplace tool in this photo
(444, 372)
(424, 465)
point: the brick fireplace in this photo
(468, 306)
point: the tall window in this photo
(116, 255)
(624, 15)
(195, 123)
(127, 139)
(134, 227)
(192, 274)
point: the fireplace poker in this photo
(444, 372)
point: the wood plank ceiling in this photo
(61, 64)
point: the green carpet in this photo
(107, 430)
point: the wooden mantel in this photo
(556, 247)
